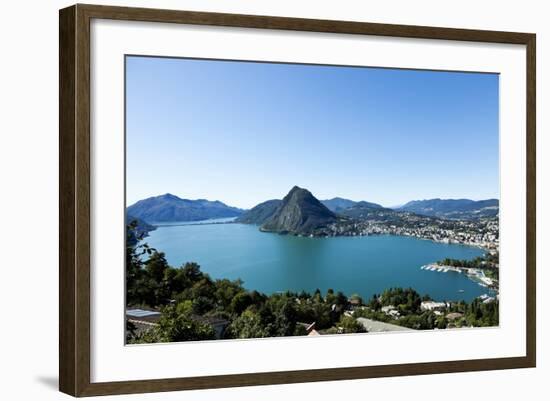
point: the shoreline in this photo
(442, 242)
(474, 274)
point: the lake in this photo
(270, 262)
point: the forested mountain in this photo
(364, 211)
(453, 208)
(170, 208)
(260, 213)
(339, 204)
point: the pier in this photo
(476, 275)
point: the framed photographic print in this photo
(250, 200)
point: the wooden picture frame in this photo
(74, 199)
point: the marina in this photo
(476, 275)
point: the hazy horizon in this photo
(246, 132)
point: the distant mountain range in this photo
(299, 213)
(465, 209)
(338, 204)
(170, 208)
(365, 211)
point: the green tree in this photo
(150, 336)
(346, 325)
(285, 314)
(247, 325)
(177, 324)
(341, 299)
(202, 305)
(226, 291)
(356, 298)
(135, 275)
(131, 330)
(330, 298)
(442, 323)
(156, 265)
(192, 272)
(240, 302)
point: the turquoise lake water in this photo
(271, 262)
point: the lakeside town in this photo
(482, 233)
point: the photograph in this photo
(271, 199)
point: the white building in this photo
(432, 305)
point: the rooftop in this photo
(374, 326)
(141, 313)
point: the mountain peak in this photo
(299, 213)
(296, 188)
(168, 196)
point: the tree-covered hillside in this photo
(170, 208)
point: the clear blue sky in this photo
(245, 132)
